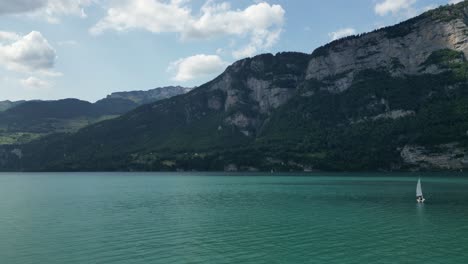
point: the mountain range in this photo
(5, 105)
(392, 99)
(23, 121)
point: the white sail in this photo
(419, 189)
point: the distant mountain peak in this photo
(7, 104)
(142, 97)
(23, 121)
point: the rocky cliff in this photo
(399, 50)
(253, 88)
(265, 82)
(149, 96)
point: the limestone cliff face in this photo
(401, 49)
(256, 86)
(267, 81)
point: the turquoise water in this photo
(173, 218)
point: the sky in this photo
(86, 49)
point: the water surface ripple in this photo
(195, 218)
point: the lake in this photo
(219, 218)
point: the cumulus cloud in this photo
(35, 83)
(260, 23)
(150, 15)
(51, 10)
(455, 1)
(219, 19)
(196, 66)
(29, 53)
(341, 33)
(395, 7)
(6, 36)
(56, 8)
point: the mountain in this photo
(5, 105)
(145, 97)
(23, 121)
(392, 99)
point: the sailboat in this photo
(419, 194)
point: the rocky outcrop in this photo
(399, 50)
(443, 157)
(266, 80)
(254, 87)
(144, 97)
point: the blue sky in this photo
(51, 49)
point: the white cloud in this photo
(395, 7)
(29, 53)
(196, 66)
(260, 23)
(341, 33)
(6, 36)
(154, 16)
(51, 10)
(455, 1)
(35, 83)
(56, 8)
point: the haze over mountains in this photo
(392, 99)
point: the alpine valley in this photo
(392, 99)
(24, 121)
